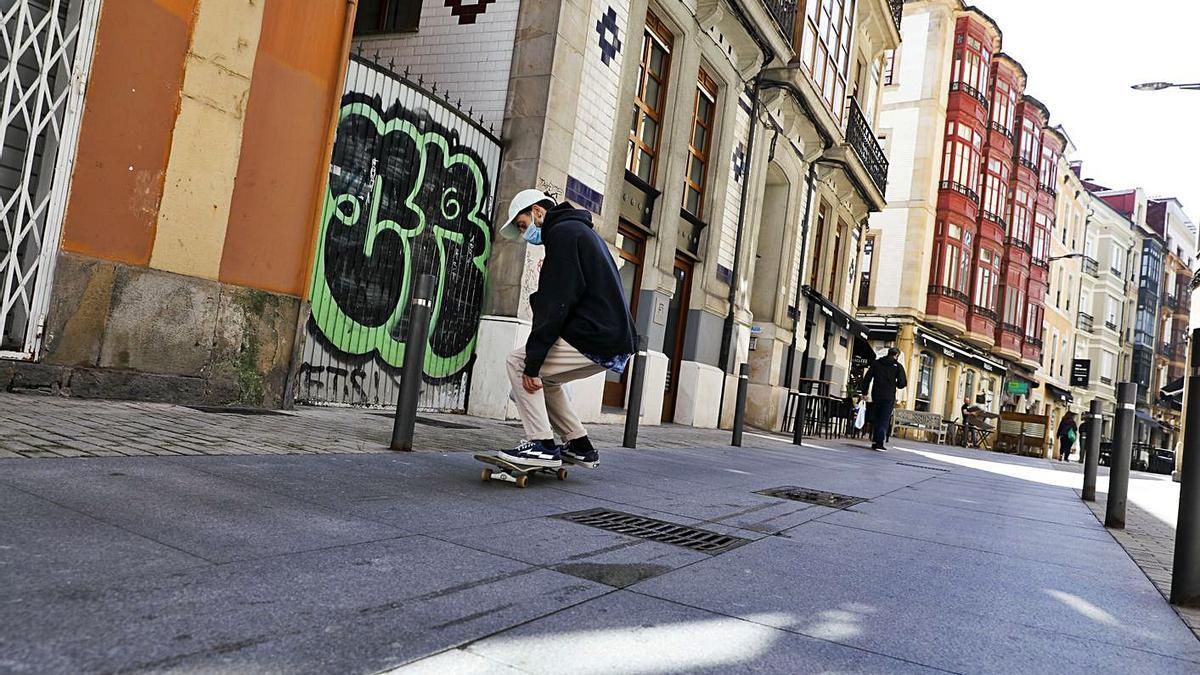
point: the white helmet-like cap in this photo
(523, 200)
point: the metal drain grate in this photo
(922, 466)
(229, 410)
(655, 530)
(431, 422)
(818, 497)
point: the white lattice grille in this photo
(40, 45)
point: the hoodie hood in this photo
(566, 211)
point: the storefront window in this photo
(924, 382)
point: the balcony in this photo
(959, 188)
(860, 137)
(1019, 243)
(1172, 303)
(897, 11)
(988, 215)
(1003, 130)
(952, 293)
(1027, 163)
(1048, 189)
(985, 313)
(1091, 266)
(972, 91)
(784, 13)
(1113, 327)
(1085, 322)
(1012, 328)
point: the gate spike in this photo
(392, 64)
(376, 56)
(434, 91)
(421, 80)
(358, 49)
(406, 68)
(459, 104)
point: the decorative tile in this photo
(606, 26)
(739, 162)
(468, 12)
(583, 195)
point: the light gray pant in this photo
(548, 410)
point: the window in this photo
(1029, 141)
(1107, 367)
(960, 162)
(864, 285)
(828, 26)
(1004, 107)
(1070, 285)
(987, 280)
(386, 16)
(1049, 169)
(649, 101)
(1041, 238)
(889, 66)
(1118, 260)
(831, 262)
(995, 189)
(1111, 311)
(699, 144)
(1014, 306)
(1018, 222)
(924, 382)
(822, 216)
(970, 69)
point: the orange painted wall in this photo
(284, 158)
(131, 105)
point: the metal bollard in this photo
(1091, 453)
(739, 411)
(633, 411)
(1118, 470)
(414, 361)
(1185, 569)
(798, 421)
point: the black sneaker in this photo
(580, 451)
(532, 453)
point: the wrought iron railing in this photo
(860, 137)
(1049, 189)
(971, 91)
(1091, 266)
(1019, 243)
(1106, 380)
(1085, 322)
(1012, 328)
(1027, 163)
(959, 188)
(948, 292)
(1036, 343)
(1112, 326)
(897, 11)
(995, 218)
(985, 312)
(1005, 131)
(784, 13)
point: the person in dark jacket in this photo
(1068, 432)
(581, 326)
(883, 378)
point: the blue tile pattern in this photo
(609, 48)
(583, 195)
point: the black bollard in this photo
(1091, 452)
(1118, 470)
(739, 412)
(414, 361)
(798, 420)
(1185, 569)
(633, 411)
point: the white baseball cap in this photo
(523, 200)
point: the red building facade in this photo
(995, 210)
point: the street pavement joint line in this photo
(110, 524)
(450, 590)
(471, 617)
(793, 631)
(215, 650)
(990, 513)
(834, 512)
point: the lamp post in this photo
(1065, 256)
(1159, 86)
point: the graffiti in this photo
(409, 193)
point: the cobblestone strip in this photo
(1151, 544)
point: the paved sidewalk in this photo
(958, 561)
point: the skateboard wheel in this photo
(562, 474)
(486, 475)
(522, 480)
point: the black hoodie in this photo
(579, 298)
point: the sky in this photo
(1082, 56)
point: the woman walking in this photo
(1068, 432)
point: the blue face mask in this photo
(533, 233)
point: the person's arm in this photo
(553, 301)
(866, 381)
(901, 379)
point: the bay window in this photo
(1018, 222)
(1049, 170)
(995, 190)
(970, 70)
(987, 280)
(961, 159)
(825, 50)
(1014, 307)
(1004, 107)
(1029, 143)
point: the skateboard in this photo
(519, 473)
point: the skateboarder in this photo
(581, 326)
(884, 377)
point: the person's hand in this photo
(531, 384)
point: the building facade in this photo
(1169, 221)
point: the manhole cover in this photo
(818, 497)
(430, 422)
(655, 530)
(230, 410)
(922, 466)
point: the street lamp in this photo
(1066, 256)
(1159, 86)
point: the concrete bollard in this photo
(1118, 471)
(414, 362)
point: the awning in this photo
(958, 351)
(848, 322)
(1143, 416)
(1059, 393)
(1173, 389)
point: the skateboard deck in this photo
(515, 473)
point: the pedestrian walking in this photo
(1068, 433)
(581, 326)
(883, 378)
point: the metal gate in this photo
(45, 53)
(411, 191)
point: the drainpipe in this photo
(791, 354)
